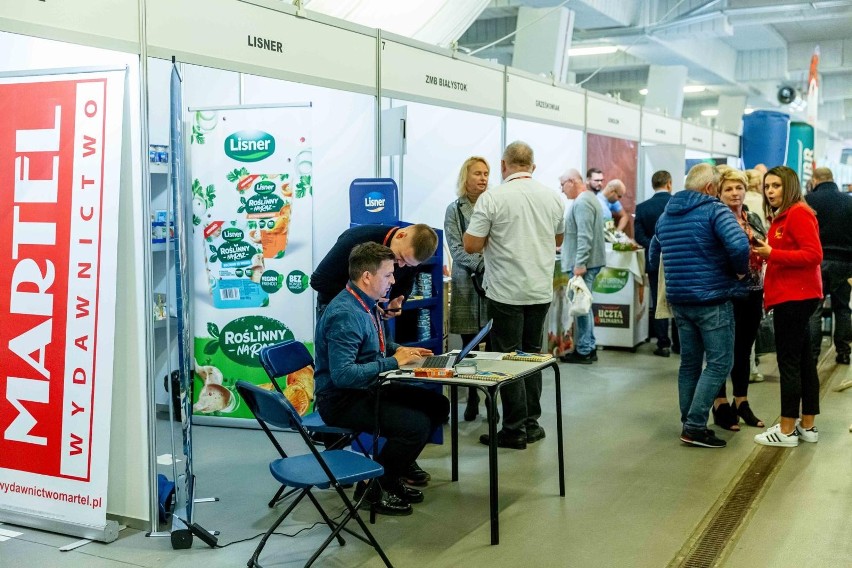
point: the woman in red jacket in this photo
(793, 289)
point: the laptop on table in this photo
(449, 361)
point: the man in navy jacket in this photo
(706, 255)
(834, 212)
(644, 227)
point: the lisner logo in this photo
(249, 145)
(374, 202)
(232, 235)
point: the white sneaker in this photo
(810, 435)
(774, 437)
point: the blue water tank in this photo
(765, 134)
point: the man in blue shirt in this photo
(351, 352)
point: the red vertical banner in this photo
(60, 141)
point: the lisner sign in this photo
(60, 141)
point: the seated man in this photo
(351, 351)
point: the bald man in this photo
(610, 197)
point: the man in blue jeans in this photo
(706, 255)
(584, 254)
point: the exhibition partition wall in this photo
(438, 141)
(128, 438)
(453, 112)
(612, 144)
(550, 119)
(265, 52)
(660, 150)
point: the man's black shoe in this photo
(535, 434)
(704, 439)
(405, 493)
(514, 442)
(380, 501)
(575, 357)
(662, 352)
(416, 476)
(842, 358)
(593, 354)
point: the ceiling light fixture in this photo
(598, 50)
(710, 112)
(686, 89)
(748, 110)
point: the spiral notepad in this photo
(492, 376)
(530, 357)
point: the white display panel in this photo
(241, 36)
(439, 140)
(726, 144)
(606, 116)
(653, 158)
(697, 137)
(107, 23)
(129, 434)
(344, 128)
(556, 148)
(660, 129)
(417, 74)
(527, 98)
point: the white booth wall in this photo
(556, 148)
(438, 141)
(656, 157)
(343, 146)
(128, 442)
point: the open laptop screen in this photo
(473, 343)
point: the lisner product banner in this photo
(252, 220)
(60, 161)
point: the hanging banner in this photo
(60, 162)
(252, 250)
(800, 151)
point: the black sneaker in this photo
(704, 439)
(577, 358)
(662, 352)
(512, 441)
(416, 476)
(534, 434)
(381, 502)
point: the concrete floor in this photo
(634, 493)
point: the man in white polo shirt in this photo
(517, 226)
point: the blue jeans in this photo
(585, 340)
(705, 331)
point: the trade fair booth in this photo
(176, 100)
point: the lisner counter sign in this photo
(249, 145)
(374, 202)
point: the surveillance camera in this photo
(786, 94)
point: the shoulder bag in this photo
(475, 276)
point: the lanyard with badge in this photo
(376, 324)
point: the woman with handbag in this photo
(793, 289)
(467, 304)
(748, 310)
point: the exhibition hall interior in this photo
(175, 173)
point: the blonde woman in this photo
(748, 309)
(754, 195)
(467, 309)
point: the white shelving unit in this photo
(163, 274)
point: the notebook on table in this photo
(448, 361)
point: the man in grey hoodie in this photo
(585, 254)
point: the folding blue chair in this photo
(280, 360)
(323, 470)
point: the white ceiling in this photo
(770, 41)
